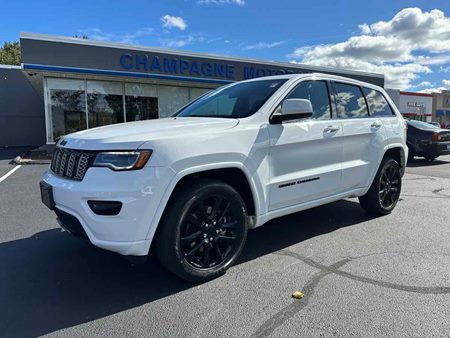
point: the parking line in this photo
(4, 177)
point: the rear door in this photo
(305, 155)
(363, 135)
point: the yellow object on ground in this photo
(298, 295)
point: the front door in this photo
(305, 155)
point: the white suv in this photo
(192, 184)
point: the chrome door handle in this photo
(331, 129)
(376, 124)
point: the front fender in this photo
(252, 178)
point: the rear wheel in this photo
(203, 231)
(384, 192)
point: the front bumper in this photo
(127, 233)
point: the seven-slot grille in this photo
(70, 163)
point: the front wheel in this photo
(203, 231)
(384, 192)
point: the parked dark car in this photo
(427, 140)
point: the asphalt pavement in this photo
(362, 276)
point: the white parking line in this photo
(4, 177)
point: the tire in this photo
(384, 192)
(203, 231)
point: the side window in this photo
(350, 101)
(317, 93)
(378, 106)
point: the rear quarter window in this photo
(350, 101)
(378, 105)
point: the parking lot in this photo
(362, 276)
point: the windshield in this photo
(236, 101)
(422, 125)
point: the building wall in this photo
(395, 96)
(22, 117)
(441, 107)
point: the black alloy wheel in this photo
(203, 230)
(209, 232)
(389, 190)
(384, 193)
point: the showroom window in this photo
(104, 103)
(141, 102)
(171, 99)
(196, 92)
(66, 107)
(74, 105)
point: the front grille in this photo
(71, 163)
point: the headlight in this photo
(122, 160)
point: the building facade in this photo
(441, 107)
(86, 84)
(416, 106)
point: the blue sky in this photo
(408, 41)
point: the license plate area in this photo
(47, 195)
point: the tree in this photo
(10, 53)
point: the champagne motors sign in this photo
(68, 55)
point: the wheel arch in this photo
(398, 153)
(394, 150)
(234, 174)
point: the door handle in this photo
(331, 129)
(376, 124)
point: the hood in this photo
(130, 135)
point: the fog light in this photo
(105, 208)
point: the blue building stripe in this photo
(30, 66)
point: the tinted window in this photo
(378, 106)
(236, 101)
(317, 93)
(350, 101)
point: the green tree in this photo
(10, 53)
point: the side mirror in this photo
(293, 109)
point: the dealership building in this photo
(70, 84)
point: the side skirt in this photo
(307, 205)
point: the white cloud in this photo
(365, 29)
(444, 69)
(100, 35)
(181, 41)
(221, 2)
(422, 84)
(425, 30)
(446, 86)
(263, 45)
(170, 21)
(400, 48)
(432, 90)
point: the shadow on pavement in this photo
(53, 281)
